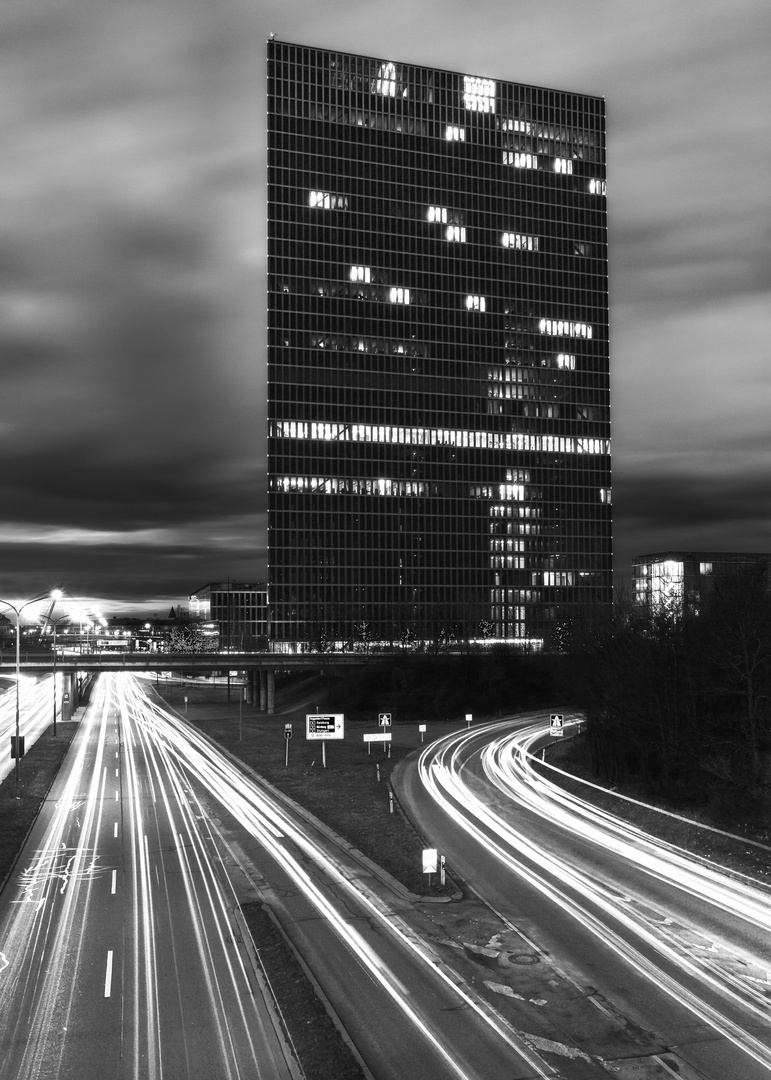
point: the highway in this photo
(119, 952)
(653, 936)
(36, 706)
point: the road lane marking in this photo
(115, 830)
(114, 881)
(108, 975)
(117, 795)
(116, 772)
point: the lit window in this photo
(399, 296)
(705, 567)
(566, 361)
(386, 80)
(522, 126)
(475, 303)
(597, 187)
(360, 273)
(565, 328)
(453, 133)
(456, 232)
(520, 160)
(479, 94)
(520, 241)
(606, 495)
(563, 165)
(325, 200)
(438, 213)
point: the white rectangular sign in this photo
(556, 722)
(324, 726)
(430, 860)
(380, 737)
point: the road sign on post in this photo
(430, 860)
(324, 726)
(384, 719)
(556, 724)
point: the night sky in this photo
(132, 268)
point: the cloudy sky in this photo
(132, 267)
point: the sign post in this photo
(422, 730)
(321, 727)
(287, 737)
(430, 860)
(469, 718)
(556, 724)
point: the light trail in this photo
(267, 820)
(35, 712)
(718, 987)
(75, 934)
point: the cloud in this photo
(132, 412)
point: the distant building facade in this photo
(678, 581)
(238, 608)
(438, 357)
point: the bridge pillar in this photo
(263, 690)
(70, 698)
(271, 691)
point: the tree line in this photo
(679, 698)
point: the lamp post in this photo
(55, 594)
(54, 623)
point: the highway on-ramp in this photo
(661, 945)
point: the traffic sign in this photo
(384, 719)
(430, 860)
(556, 723)
(382, 736)
(287, 731)
(324, 726)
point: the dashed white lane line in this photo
(114, 881)
(115, 830)
(108, 975)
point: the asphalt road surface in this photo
(119, 952)
(673, 956)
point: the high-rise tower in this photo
(438, 365)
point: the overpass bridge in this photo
(259, 667)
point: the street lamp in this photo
(54, 623)
(55, 594)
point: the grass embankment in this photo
(37, 771)
(350, 794)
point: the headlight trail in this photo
(266, 819)
(712, 987)
(35, 712)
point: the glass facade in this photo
(438, 366)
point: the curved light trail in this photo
(709, 950)
(266, 818)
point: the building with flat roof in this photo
(438, 355)
(238, 608)
(678, 581)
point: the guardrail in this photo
(199, 662)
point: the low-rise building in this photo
(678, 580)
(239, 609)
